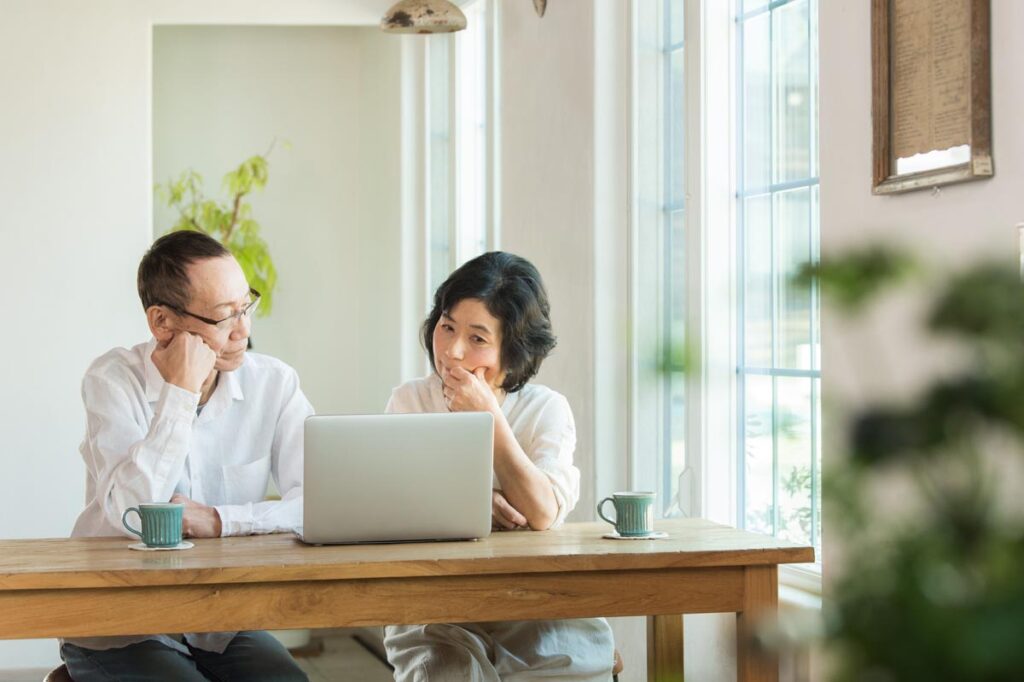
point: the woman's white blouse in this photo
(541, 421)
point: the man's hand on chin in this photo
(198, 520)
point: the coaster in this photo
(141, 546)
(656, 535)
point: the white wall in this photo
(328, 212)
(75, 187)
(956, 224)
(547, 190)
(564, 199)
(883, 355)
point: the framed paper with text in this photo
(931, 92)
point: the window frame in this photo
(457, 250)
(712, 383)
(774, 371)
(478, 12)
(421, 276)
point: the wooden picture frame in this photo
(972, 118)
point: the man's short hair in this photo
(162, 276)
(513, 292)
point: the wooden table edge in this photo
(149, 577)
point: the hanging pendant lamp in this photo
(423, 16)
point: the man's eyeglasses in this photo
(230, 320)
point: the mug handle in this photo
(600, 506)
(124, 519)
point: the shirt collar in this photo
(228, 381)
(229, 388)
(509, 402)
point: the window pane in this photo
(676, 347)
(758, 454)
(439, 151)
(793, 227)
(815, 301)
(791, 57)
(779, 226)
(471, 134)
(793, 434)
(676, 129)
(751, 5)
(757, 276)
(677, 445)
(756, 79)
(816, 478)
(677, 352)
(677, 293)
(672, 192)
(675, 13)
(814, 88)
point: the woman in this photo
(486, 336)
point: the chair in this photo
(59, 674)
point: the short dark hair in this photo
(162, 279)
(512, 290)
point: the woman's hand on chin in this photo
(466, 391)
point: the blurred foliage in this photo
(852, 280)
(794, 520)
(231, 222)
(680, 357)
(937, 594)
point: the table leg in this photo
(760, 602)
(664, 648)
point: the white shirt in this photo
(579, 649)
(144, 442)
(541, 421)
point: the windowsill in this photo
(800, 586)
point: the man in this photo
(191, 417)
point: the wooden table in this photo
(96, 586)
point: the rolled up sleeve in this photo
(130, 461)
(551, 451)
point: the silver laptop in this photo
(397, 478)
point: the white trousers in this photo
(579, 650)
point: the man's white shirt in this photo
(145, 441)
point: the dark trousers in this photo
(253, 656)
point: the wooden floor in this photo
(343, 659)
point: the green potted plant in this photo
(934, 588)
(230, 222)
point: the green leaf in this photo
(238, 231)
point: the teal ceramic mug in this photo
(161, 523)
(634, 513)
